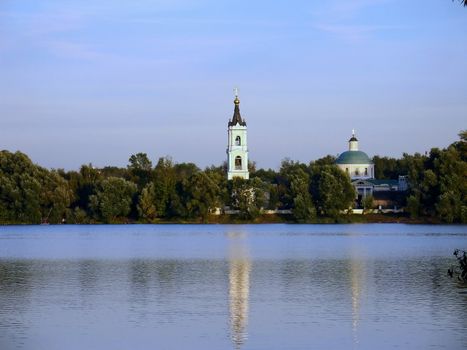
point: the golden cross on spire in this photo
(236, 101)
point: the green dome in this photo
(353, 157)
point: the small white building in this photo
(237, 146)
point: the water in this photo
(231, 287)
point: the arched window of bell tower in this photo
(238, 163)
(238, 141)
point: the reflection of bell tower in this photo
(357, 286)
(237, 150)
(239, 289)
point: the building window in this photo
(238, 141)
(366, 171)
(347, 170)
(356, 172)
(238, 163)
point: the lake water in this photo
(374, 286)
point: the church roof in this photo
(353, 139)
(353, 157)
(237, 118)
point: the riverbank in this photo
(271, 219)
(288, 219)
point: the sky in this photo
(97, 81)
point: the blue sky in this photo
(96, 81)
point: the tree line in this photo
(143, 192)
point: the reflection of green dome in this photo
(353, 157)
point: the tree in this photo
(332, 190)
(113, 199)
(289, 169)
(139, 161)
(452, 189)
(303, 207)
(20, 189)
(30, 193)
(247, 196)
(200, 195)
(146, 203)
(218, 176)
(140, 168)
(164, 187)
(78, 216)
(85, 185)
(326, 160)
(437, 183)
(55, 196)
(388, 168)
(368, 204)
(413, 206)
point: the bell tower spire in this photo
(237, 149)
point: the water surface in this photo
(380, 286)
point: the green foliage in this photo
(31, 194)
(200, 194)
(247, 196)
(86, 185)
(55, 197)
(290, 170)
(164, 187)
(78, 216)
(146, 204)
(437, 183)
(19, 189)
(388, 168)
(368, 204)
(332, 190)
(327, 160)
(139, 161)
(413, 206)
(140, 168)
(452, 197)
(113, 199)
(303, 207)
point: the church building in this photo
(356, 163)
(361, 171)
(237, 146)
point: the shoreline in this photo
(266, 219)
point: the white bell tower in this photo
(237, 146)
